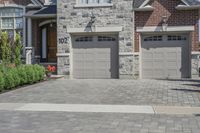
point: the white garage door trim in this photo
(167, 34)
(98, 39)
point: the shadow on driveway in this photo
(187, 80)
(194, 82)
(188, 90)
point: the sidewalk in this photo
(91, 108)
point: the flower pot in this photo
(49, 74)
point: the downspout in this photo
(199, 45)
(133, 10)
(133, 28)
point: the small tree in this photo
(17, 50)
(5, 48)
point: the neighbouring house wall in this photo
(18, 2)
(120, 14)
(175, 18)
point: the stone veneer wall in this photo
(195, 64)
(120, 14)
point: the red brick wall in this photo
(174, 18)
(18, 2)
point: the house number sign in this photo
(62, 40)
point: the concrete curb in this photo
(90, 108)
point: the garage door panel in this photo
(158, 64)
(173, 73)
(164, 59)
(147, 64)
(148, 73)
(97, 59)
(147, 55)
(158, 73)
(172, 64)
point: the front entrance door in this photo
(52, 44)
(49, 43)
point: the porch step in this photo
(48, 63)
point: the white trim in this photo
(184, 1)
(62, 54)
(12, 5)
(144, 3)
(36, 2)
(160, 29)
(136, 53)
(195, 52)
(146, 8)
(97, 29)
(183, 7)
(93, 5)
(126, 54)
(46, 22)
(147, 1)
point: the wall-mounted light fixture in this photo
(93, 18)
(92, 22)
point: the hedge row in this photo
(21, 75)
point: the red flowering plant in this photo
(50, 69)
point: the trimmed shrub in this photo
(9, 80)
(6, 50)
(40, 71)
(1, 81)
(23, 74)
(30, 74)
(17, 50)
(15, 76)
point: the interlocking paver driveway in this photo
(133, 92)
(59, 122)
(140, 92)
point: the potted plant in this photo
(50, 69)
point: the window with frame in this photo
(90, 2)
(11, 20)
(84, 39)
(176, 38)
(106, 38)
(153, 38)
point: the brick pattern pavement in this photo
(48, 122)
(116, 92)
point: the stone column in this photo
(29, 29)
(29, 48)
(195, 64)
(24, 36)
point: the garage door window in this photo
(106, 38)
(176, 38)
(84, 39)
(153, 38)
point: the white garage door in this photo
(95, 57)
(165, 57)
